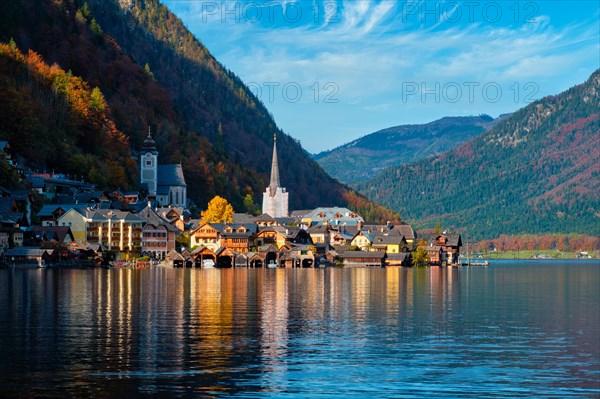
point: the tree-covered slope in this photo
(153, 72)
(365, 157)
(537, 171)
(56, 121)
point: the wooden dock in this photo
(474, 262)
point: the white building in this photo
(275, 197)
(164, 182)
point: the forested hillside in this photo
(149, 71)
(537, 171)
(56, 121)
(365, 157)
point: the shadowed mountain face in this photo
(151, 71)
(537, 171)
(365, 157)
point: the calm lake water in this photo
(526, 329)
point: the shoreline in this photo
(163, 266)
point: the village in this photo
(80, 226)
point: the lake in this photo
(510, 330)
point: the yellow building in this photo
(363, 240)
(392, 244)
(77, 221)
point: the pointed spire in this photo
(274, 169)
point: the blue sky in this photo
(331, 71)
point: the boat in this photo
(119, 264)
(208, 264)
(272, 265)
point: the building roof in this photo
(49, 209)
(264, 218)
(221, 250)
(268, 248)
(334, 216)
(28, 251)
(174, 255)
(243, 218)
(284, 221)
(406, 230)
(454, 240)
(58, 233)
(367, 234)
(432, 248)
(344, 234)
(388, 239)
(151, 217)
(300, 213)
(318, 229)
(165, 210)
(171, 175)
(149, 144)
(251, 227)
(104, 215)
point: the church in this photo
(275, 197)
(163, 182)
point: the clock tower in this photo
(149, 164)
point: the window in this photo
(148, 162)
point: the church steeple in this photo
(149, 144)
(274, 169)
(275, 197)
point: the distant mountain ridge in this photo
(536, 172)
(363, 158)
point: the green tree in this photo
(148, 71)
(219, 210)
(183, 240)
(95, 27)
(249, 205)
(97, 101)
(438, 228)
(421, 257)
(85, 11)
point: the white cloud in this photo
(367, 49)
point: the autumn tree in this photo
(421, 257)
(219, 210)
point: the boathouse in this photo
(363, 259)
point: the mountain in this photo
(363, 158)
(144, 69)
(537, 171)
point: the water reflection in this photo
(507, 330)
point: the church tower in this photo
(149, 164)
(275, 198)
